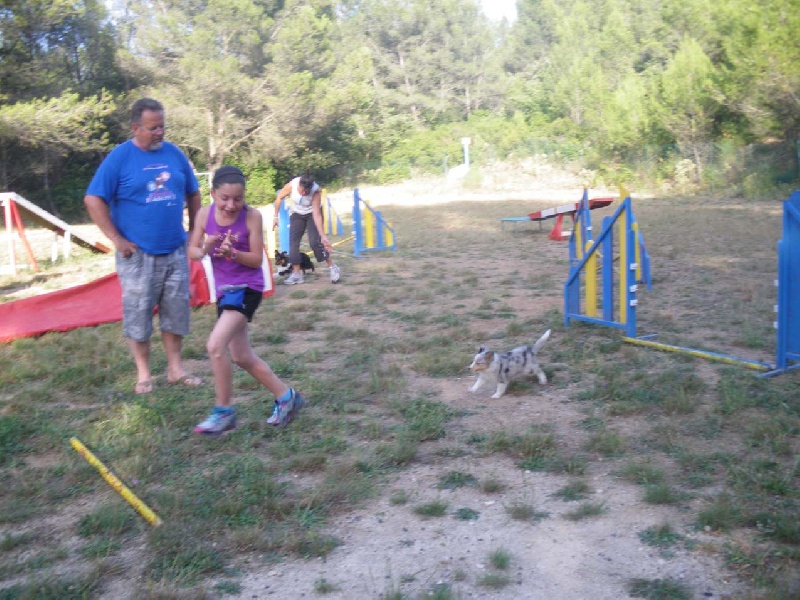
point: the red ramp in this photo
(93, 303)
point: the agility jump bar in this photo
(115, 483)
(715, 356)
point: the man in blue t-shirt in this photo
(137, 198)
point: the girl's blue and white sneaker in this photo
(220, 420)
(284, 412)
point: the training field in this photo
(632, 473)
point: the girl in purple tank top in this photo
(232, 235)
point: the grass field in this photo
(382, 358)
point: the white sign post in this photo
(465, 141)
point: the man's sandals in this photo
(143, 387)
(187, 381)
(146, 387)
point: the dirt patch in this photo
(387, 548)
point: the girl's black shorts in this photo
(248, 307)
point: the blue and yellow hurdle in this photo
(594, 288)
(371, 230)
(612, 301)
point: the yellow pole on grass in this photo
(342, 241)
(731, 360)
(115, 483)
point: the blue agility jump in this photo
(589, 257)
(372, 232)
(283, 227)
(331, 222)
(788, 282)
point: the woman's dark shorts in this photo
(251, 301)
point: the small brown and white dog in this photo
(502, 368)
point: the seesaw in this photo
(558, 214)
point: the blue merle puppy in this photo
(502, 368)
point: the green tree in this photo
(48, 46)
(689, 100)
(316, 85)
(620, 117)
(52, 129)
(432, 63)
(57, 60)
(628, 119)
(527, 46)
(761, 64)
(575, 76)
(205, 59)
(251, 80)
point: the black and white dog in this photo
(285, 267)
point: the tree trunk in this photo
(409, 88)
(797, 156)
(698, 157)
